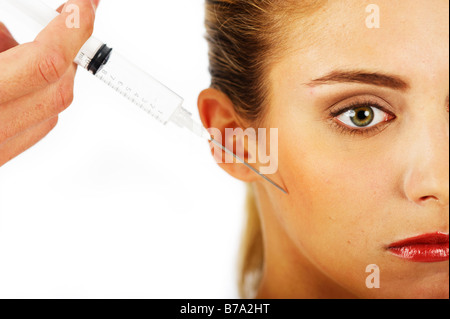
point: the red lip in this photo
(423, 248)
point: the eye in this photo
(363, 116)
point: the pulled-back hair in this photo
(245, 38)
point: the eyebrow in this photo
(363, 77)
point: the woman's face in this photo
(364, 144)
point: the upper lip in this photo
(426, 239)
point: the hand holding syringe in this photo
(36, 79)
(130, 81)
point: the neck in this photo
(287, 273)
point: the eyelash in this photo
(361, 132)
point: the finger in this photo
(6, 39)
(29, 67)
(25, 140)
(19, 115)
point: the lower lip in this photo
(423, 252)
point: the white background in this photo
(111, 204)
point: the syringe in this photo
(130, 81)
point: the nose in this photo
(427, 176)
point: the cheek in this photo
(337, 202)
(325, 184)
(332, 182)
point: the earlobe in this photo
(217, 113)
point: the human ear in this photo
(218, 114)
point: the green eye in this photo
(362, 116)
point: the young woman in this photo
(359, 93)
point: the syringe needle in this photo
(183, 118)
(248, 165)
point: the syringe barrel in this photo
(139, 87)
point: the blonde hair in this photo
(245, 38)
(251, 253)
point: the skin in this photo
(36, 79)
(350, 196)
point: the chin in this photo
(426, 289)
(440, 291)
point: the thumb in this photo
(67, 40)
(35, 65)
(94, 2)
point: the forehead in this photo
(412, 38)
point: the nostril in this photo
(428, 198)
